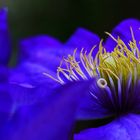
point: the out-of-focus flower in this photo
(5, 51)
(94, 83)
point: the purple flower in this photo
(56, 84)
(84, 83)
(5, 51)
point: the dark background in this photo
(60, 18)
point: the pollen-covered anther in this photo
(102, 83)
(110, 67)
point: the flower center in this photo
(117, 73)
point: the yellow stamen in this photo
(120, 62)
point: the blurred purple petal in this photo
(5, 104)
(83, 38)
(5, 49)
(48, 57)
(43, 50)
(4, 73)
(30, 72)
(28, 84)
(26, 94)
(49, 52)
(123, 31)
(123, 128)
(34, 47)
(56, 119)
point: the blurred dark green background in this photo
(60, 18)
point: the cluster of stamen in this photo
(117, 70)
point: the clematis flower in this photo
(93, 82)
(54, 85)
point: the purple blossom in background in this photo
(43, 97)
(5, 50)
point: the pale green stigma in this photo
(101, 83)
